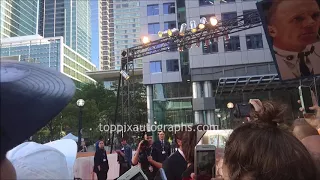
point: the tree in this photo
(99, 107)
(99, 102)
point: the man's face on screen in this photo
(295, 24)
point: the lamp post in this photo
(90, 134)
(230, 106)
(219, 116)
(80, 104)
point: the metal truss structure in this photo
(223, 28)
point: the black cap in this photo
(31, 96)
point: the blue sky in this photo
(95, 33)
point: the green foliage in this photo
(99, 108)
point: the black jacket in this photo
(174, 167)
(166, 147)
(100, 159)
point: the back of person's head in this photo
(302, 129)
(178, 137)
(261, 150)
(312, 143)
(189, 141)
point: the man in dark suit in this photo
(176, 164)
(163, 147)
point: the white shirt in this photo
(181, 153)
(290, 69)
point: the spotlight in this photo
(183, 29)
(145, 40)
(203, 22)
(173, 31)
(213, 21)
(124, 74)
(163, 34)
(193, 26)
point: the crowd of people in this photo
(263, 148)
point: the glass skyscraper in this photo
(49, 52)
(18, 18)
(70, 19)
(119, 30)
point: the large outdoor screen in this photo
(292, 31)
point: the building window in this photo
(153, 28)
(211, 48)
(169, 8)
(155, 67)
(254, 41)
(229, 16)
(172, 65)
(169, 25)
(247, 16)
(207, 16)
(153, 10)
(206, 2)
(233, 44)
(227, 1)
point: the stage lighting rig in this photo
(186, 37)
(179, 40)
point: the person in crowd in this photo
(189, 142)
(124, 156)
(97, 143)
(176, 164)
(162, 147)
(312, 143)
(302, 129)
(38, 103)
(273, 154)
(144, 155)
(83, 147)
(101, 164)
(294, 29)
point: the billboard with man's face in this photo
(292, 28)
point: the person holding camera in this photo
(144, 156)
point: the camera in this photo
(243, 110)
(144, 145)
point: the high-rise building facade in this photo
(49, 52)
(195, 86)
(18, 18)
(70, 19)
(119, 29)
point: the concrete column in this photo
(207, 88)
(196, 93)
(150, 106)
